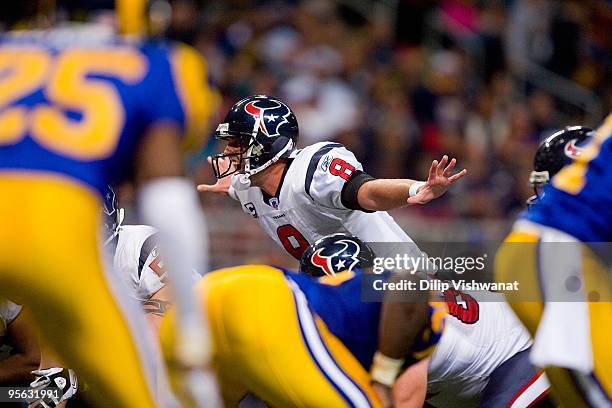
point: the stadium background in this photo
(401, 82)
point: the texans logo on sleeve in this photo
(268, 118)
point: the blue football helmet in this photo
(555, 152)
(336, 253)
(265, 130)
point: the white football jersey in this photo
(137, 262)
(470, 350)
(309, 207)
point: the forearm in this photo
(18, 368)
(403, 317)
(156, 307)
(410, 389)
(23, 338)
(384, 194)
(170, 205)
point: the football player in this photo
(75, 115)
(558, 250)
(293, 340)
(301, 195)
(553, 153)
(137, 263)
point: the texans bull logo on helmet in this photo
(571, 150)
(342, 260)
(268, 118)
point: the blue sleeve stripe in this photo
(314, 162)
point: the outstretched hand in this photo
(223, 184)
(438, 182)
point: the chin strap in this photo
(243, 181)
(120, 218)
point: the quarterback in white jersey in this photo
(299, 196)
(309, 204)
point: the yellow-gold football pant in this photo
(50, 261)
(520, 258)
(269, 343)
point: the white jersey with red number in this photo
(478, 337)
(137, 262)
(309, 206)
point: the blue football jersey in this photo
(578, 201)
(76, 102)
(347, 317)
(337, 300)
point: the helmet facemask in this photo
(253, 156)
(236, 159)
(537, 181)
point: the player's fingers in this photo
(414, 200)
(209, 160)
(457, 176)
(204, 188)
(450, 167)
(432, 169)
(440, 167)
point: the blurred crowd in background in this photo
(402, 82)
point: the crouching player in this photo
(559, 246)
(137, 263)
(295, 340)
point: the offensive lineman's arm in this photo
(169, 203)
(387, 194)
(156, 306)
(401, 322)
(410, 388)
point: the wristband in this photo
(414, 188)
(231, 191)
(385, 369)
